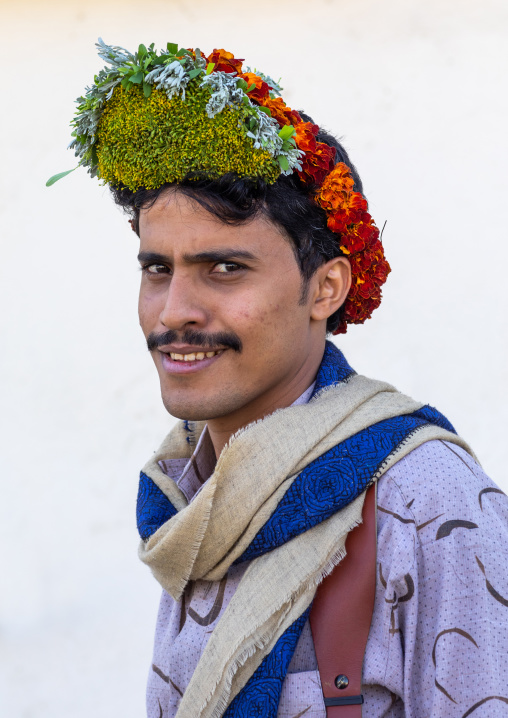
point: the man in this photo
(255, 243)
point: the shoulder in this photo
(442, 541)
(442, 583)
(440, 514)
(438, 488)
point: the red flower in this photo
(351, 241)
(317, 164)
(337, 222)
(352, 292)
(358, 202)
(381, 271)
(366, 287)
(224, 61)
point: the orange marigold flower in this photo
(225, 61)
(261, 91)
(333, 197)
(281, 112)
(306, 136)
(339, 174)
(337, 187)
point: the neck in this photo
(281, 396)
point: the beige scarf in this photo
(252, 474)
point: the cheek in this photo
(255, 313)
(149, 309)
(264, 320)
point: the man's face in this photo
(220, 307)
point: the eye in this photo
(155, 269)
(227, 267)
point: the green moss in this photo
(147, 141)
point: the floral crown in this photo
(150, 118)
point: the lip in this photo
(171, 366)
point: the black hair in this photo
(288, 203)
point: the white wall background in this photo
(417, 89)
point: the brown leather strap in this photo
(341, 616)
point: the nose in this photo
(183, 304)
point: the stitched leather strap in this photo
(341, 616)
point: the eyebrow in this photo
(212, 255)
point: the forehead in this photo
(176, 224)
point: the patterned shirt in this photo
(438, 643)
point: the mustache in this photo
(226, 340)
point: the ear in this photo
(333, 284)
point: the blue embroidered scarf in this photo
(325, 486)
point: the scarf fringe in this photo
(196, 542)
(260, 643)
(225, 698)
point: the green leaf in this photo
(59, 176)
(142, 50)
(252, 87)
(266, 110)
(172, 48)
(209, 67)
(125, 83)
(286, 132)
(194, 73)
(283, 162)
(242, 84)
(137, 78)
(147, 89)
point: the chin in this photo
(187, 414)
(200, 409)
